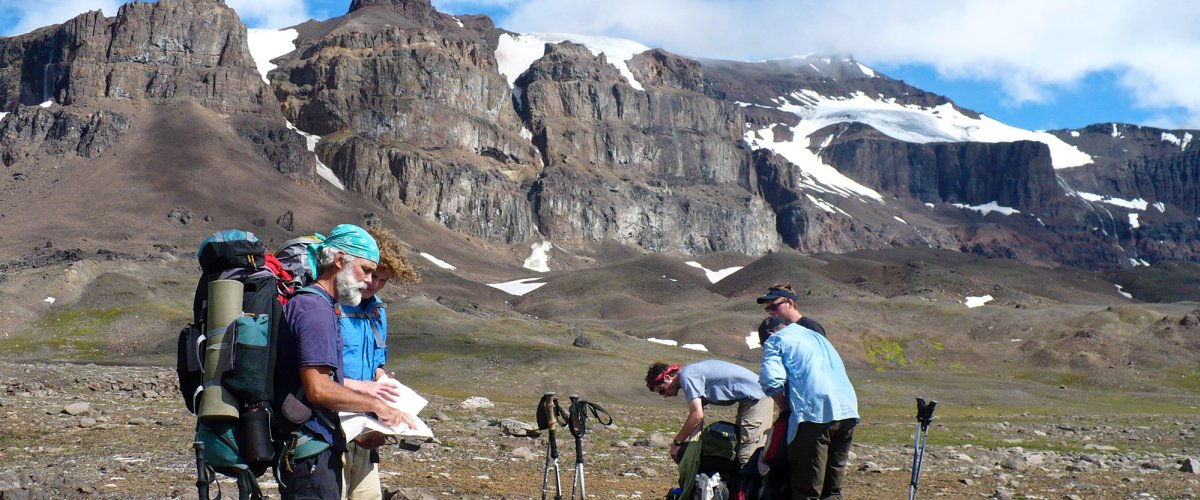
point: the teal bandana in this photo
(347, 238)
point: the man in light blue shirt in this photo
(802, 369)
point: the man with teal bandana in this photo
(309, 363)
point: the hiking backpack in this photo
(238, 440)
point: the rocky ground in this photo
(76, 431)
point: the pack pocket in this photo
(247, 374)
(220, 443)
(189, 365)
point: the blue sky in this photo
(1034, 64)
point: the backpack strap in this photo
(370, 316)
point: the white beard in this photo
(349, 290)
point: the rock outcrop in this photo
(421, 118)
(658, 167)
(59, 132)
(1012, 174)
(159, 52)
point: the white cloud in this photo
(270, 13)
(1031, 47)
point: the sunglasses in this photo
(773, 307)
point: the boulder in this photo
(476, 403)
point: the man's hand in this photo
(392, 416)
(386, 392)
(676, 452)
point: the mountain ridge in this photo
(419, 118)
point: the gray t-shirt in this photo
(718, 382)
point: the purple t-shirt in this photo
(310, 336)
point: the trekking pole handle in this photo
(925, 411)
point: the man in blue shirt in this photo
(309, 364)
(801, 369)
(717, 382)
(364, 352)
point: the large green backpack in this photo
(719, 440)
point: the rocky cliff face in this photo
(171, 49)
(421, 118)
(158, 52)
(654, 167)
(58, 132)
(1012, 174)
(414, 117)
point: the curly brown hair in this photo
(391, 256)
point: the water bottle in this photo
(255, 428)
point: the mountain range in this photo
(520, 160)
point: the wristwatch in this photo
(677, 443)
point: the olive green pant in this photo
(818, 455)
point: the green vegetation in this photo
(884, 353)
(1184, 378)
(85, 334)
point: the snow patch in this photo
(752, 340)
(1162, 207)
(663, 341)
(1136, 204)
(2, 115)
(1138, 262)
(50, 300)
(539, 258)
(514, 54)
(1133, 221)
(517, 287)
(826, 206)
(310, 141)
(1121, 290)
(47, 104)
(973, 302)
(930, 205)
(1074, 133)
(715, 276)
(902, 221)
(438, 262)
(695, 347)
(814, 173)
(912, 123)
(866, 71)
(267, 44)
(988, 208)
(1115, 133)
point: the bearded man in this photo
(309, 363)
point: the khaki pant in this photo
(753, 420)
(360, 470)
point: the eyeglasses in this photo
(772, 308)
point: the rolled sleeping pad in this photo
(224, 306)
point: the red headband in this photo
(658, 380)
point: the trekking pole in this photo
(924, 417)
(548, 412)
(577, 422)
(202, 478)
(578, 428)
